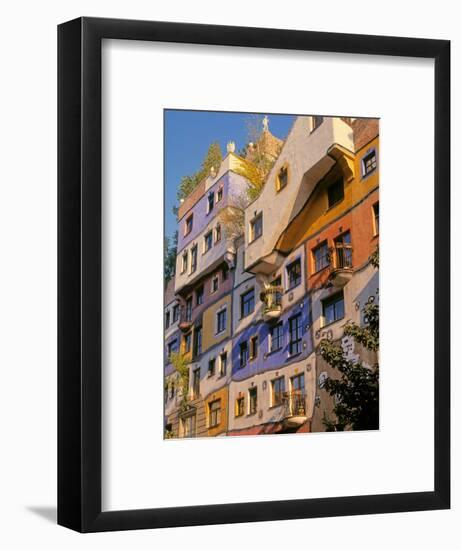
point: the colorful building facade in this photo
(250, 310)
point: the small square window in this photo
(244, 354)
(214, 413)
(294, 273)
(278, 390)
(239, 406)
(247, 303)
(252, 400)
(316, 122)
(333, 308)
(282, 178)
(223, 364)
(321, 256)
(221, 321)
(187, 342)
(188, 225)
(376, 219)
(254, 347)
(208, 241)
(335, 192)
(256, 227)
(217, 233)
(185, 257)
(214, 284)
(369, 163)
(211, 367)
(193, 258)
(276, 337)
(210, 202)
(199, 295)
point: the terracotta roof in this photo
(192, 199)
(169, 292)
(365, 129)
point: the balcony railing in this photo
(294, 408)
(341, 264)
(185, 318)
(272, 298)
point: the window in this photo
(214, 413)
(195, 383)
(172, 347)
(295, 334)
(188, 425)
(225, 272)
(215, 284)
(256, 227)
(297, 383)
(369, 163)
(321, 256)
(184, 262)
(335, 193)
(316, 121)
(197, 341)
(223, 364)
(278, 389)
(189, 309)
(221, 318)
(294, 273)
(247, 303)
(172, 388)
(167, 319)
(210, 201)
(193, 258)
(219, 194)
(278, 296)
(211, 367)
(282, 178)
(253, 347)
(252, 400)
(188, 224)
(199, 295)
(239, 406)
(243, 354)
(276, 337)
(376, 218)
(217, 233)
(175, 313)
(343, 250)
(208, 241)
(187, 342)
(333, 308)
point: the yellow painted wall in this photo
(209, 338)
(222, 394)
(315, 215)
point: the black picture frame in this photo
(79, 274)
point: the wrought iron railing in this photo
(272, 298)
(341, 256)
(294, 403)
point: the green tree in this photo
(169, 257)
(213, 158)
(356, 389)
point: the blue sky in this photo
(188, 135)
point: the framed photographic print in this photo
(242, 336)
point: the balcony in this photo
(185, 319)
(341, 264)
(271, 296)
(294, 409)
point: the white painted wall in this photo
(303, 151)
